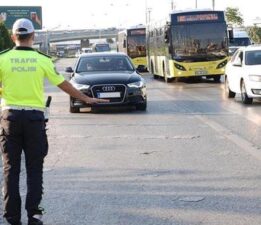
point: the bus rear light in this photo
(222, 64)
(179, 67)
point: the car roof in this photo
(103, 54)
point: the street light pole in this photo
(196, 4)
(213, 4)
(146, 12)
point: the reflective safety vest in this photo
(22, 74)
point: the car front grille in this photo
(110, 89)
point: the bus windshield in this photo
(136, 46)
(102, 48)
(199, 42)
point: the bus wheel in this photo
(152, 71)
(167, 80)
(155, 76)
(217, 78)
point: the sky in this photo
(92, 14)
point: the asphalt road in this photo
(192, 159)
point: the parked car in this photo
(109, 76)
(243, 74)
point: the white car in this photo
(243, 74)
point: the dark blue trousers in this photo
(22, 130)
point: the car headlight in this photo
(255, 78)
(81, 87)
(138, 84)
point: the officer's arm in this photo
(69, 89)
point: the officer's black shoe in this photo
(7, 223)
(11, 222)
(34, 221)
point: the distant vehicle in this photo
(190, 44)
(86, 50)
(101, 47)
(243, 74)
(240, 39)
(60, 53)
(132, 41)
(109, 76)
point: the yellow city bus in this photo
(132, 41)
(191, 43)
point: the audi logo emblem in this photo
(108, 88)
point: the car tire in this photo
(229, 93)
(72, 108)
(244, 97)
(142, 106)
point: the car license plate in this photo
(109, 95)
(201, 72)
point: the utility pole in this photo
(196, 4)
(213, 4)
(146, 11)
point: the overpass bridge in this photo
(44, 38)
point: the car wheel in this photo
(72, 108)
(245, 99)
(142, 106)
(229, 93)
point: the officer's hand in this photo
(96, 100)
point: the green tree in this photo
(109, 40)
(254, 33)
(5, 39)
(233, 16)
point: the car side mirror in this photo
(237, 62)
(68, 70)
(231, 35)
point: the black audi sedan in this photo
(109, 75)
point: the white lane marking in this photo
(242, 143)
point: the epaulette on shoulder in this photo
(6, 50)
(43, 54)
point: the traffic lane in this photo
(121, 173)
(207, 99)
(153, 167)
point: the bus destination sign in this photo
(137, 32)
(197, 17)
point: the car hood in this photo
(106, 78)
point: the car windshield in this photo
(253, 57)
(104, 63)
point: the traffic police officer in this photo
(22, 73)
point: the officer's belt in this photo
(7, 107)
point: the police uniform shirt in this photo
(22, 73)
